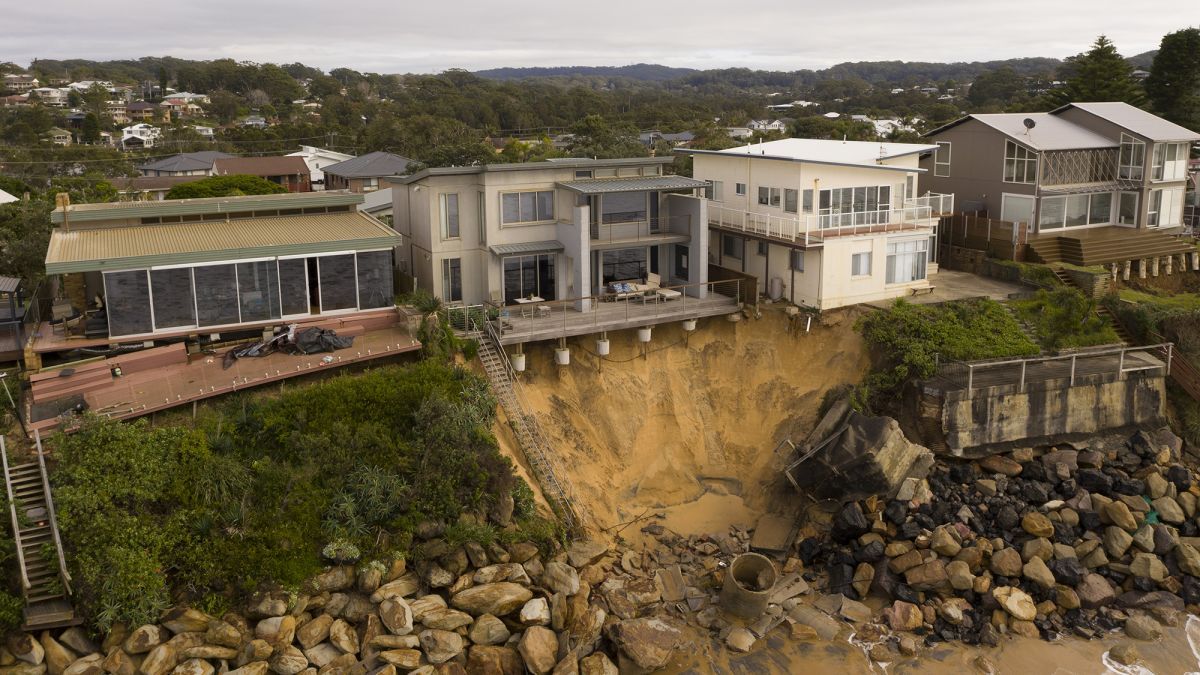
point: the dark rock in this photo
(871, 553)
(849, 524)
(810, 548)
(909, 530)
(1089, 520)
(1034, 471)
(1128, 486)
(1094, 480)
(841, 579)
(895, 513)
(1180, 476)
(1035, 492)
(1191, 590)
(1007, 518)
(1068, 571)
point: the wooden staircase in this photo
(1101, 310)
(45, 581)
(1102, 246)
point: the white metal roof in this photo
(1136, 120)
(852, 153)
(1049, 132)
(6, 198)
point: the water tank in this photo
(775, 288)
(518, 362)
(562, 356)
(602, 347)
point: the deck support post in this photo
(1170, 264)
(1195, 260)
(1141, 268)
(1023, 364)
(1154, 267)
(1125, 272)
(1073, 357)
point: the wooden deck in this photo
(559, 320)
(201, 376)
(1106, 245)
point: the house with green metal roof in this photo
(141, 271)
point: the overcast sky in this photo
(432, 35)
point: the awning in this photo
(83, 249)
(596, 186)
(9, 284)
(527, 248)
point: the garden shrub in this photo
(1065, 318)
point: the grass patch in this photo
(1065, 318)
(1031, 273)
(910, 340)
(1184, 302)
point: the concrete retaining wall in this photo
(1002, 417)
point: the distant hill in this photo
(646, 72)
(1143, 60)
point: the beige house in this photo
(820, 223)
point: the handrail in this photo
(12, 509)
(946, 370)
(62, 560)
(811, 229)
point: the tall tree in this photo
(1174, 82)
(1099, 74)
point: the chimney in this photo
(63, 201)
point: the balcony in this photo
(1079, 171)
(644, 232)
(811, 231)
(551, 320)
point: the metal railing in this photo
(813, 229)
(12, 510)
(964, 374)
(58, 546)
(646, 229)
(548, 319)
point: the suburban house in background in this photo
(142, 111)
(151, 188)
(317, 159)
(140, 136)
(184, 164)
(560, 236)
(378, 205)
(363, 174)
(58, 136)
(822, 223)
(20, 83)
(143, 287)
(1096, 183)
(290, 172)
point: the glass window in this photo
(623, 207)
(626, 264)
(941, 159)
(732, 247)
(258, 290)
(907, 261)
(583, 173)
(293, 286)
(860, 264)
(482, 204)
(449, 205)
(797, 260)
(1100, 209)
(762, 249)
(1020, 163)
(337, 279)
(452, 280)
(216, 295)
(127, 302)
(808, 201)
(374, 279)
(1132, 158)
(528, 276)
(740, 188)
(174, 302)
(1127, 208)
(681, 261)
(1077, 208)
(789, 200)
(716, 191)
(527, 207)
(1051, 212)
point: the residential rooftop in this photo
(1049, 132)
(865, 154)
(560, 163)
(1136, 120)
(187, 161)
(370, 165)
(202, 206)
(260, 166)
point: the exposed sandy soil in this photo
(689, 429)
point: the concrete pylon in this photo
(1125, 271)
(1141, 268)
(1154, 267)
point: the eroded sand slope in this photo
(690, 429)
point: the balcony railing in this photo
(810, 230)
(640, 230)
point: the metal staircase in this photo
(45, 581)
(525, 426)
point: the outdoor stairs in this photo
(1101, 310)
(1025, 327)
(45, 581)
(1103, 246)
(524, 425)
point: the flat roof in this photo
(260, 166)
(142, 246)
(559, 163)
(861, 154)
(205, 205)
(595, 186)
(1049, 132)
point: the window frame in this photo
(1017, 164)
(451, 227)
(504, 222)
(1136, 153)
(448, 268)
(739, 189)
(920, 250)
(938, 164)
(854, 266)
(796, 255)
(733, 247)
(794, 196)
(772, 195)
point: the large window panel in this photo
(1077, 209)
(216, 295)
(127, 299)
(375, 280)
(1100, 209)
(338, 288)
(174, 301)
(1127, 211)
(623, 207)
(258, 290)
(1050, 215)
(293, 286)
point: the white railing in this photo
(936, 202)
(813, 229)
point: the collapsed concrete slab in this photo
(862, 456)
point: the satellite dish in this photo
(1029, 123)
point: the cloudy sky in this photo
(431, 35)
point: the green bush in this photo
(1065, 318)
(253, 494)
(911, 340)
(225, 186)
(11, 611)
